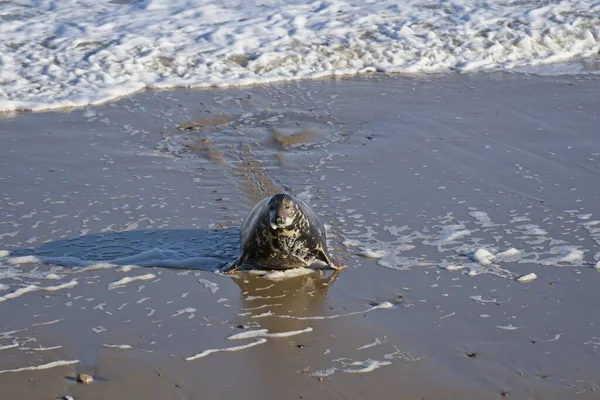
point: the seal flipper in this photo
(232, 267)
(330, 261)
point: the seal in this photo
(282, 232)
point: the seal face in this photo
(282, 232)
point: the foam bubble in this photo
(376, 342)
(124, 281)
(451, 267)
(118, 346)
(572, 256)
(34, 288)
(188, 310)
(285, 274)
(264, 333)
(213, 287)
(235, 348)
(483, 257)
(366, 366)
(527, 278)
(508, 327)
(324, 373)
(376, 254)
(53, 364)
(512, 252)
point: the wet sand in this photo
(420, 180)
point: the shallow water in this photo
(76, 53)
(116, 217)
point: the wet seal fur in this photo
(282, 232)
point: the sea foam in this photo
(57, 53)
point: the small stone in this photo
(504, 394)
(85, 378)
(472, 355)
(300, 346)
(68, 397)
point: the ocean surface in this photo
(75, 53)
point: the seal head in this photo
(283, 210)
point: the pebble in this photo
(85, 378)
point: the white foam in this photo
(480, 299)
(382, 305)
(449, 235)
(125, 268)
(213, 287)
(367, 366)
(264, 333)
(597, 266)
(286, 274)
(99, 329)
(24, 260)
(55, 321)
(34, 288)
(572, 256)
(531, 229)
(376, 254)
(40, 348)
(483, 257)
(402, 355)
(482, 218)
(128, 279)
(512, 252)
(66, 53)
(188, 310)
(527, 278)
(376, 342)
(451, 267)
(508, 328)
(235, 348)
(4, 253)
(324, 373)
(118, 346)
(43, 366)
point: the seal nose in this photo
(279, 220)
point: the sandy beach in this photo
(465, 206)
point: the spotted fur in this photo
(282, 232)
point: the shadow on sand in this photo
(195, 249)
